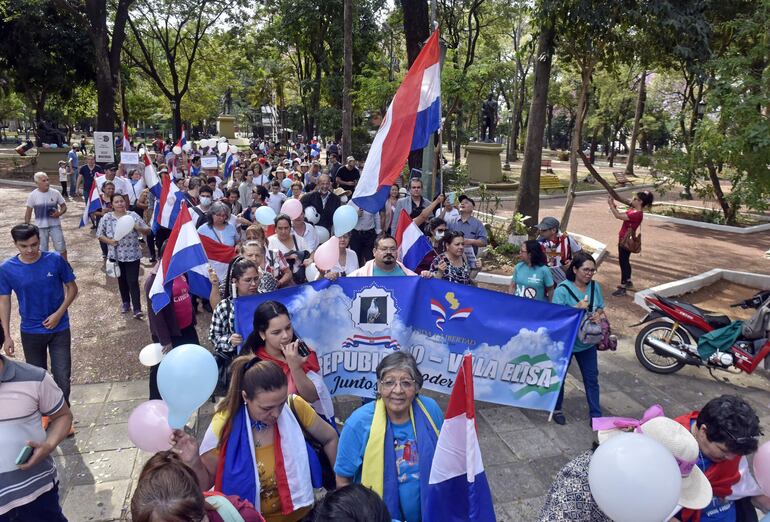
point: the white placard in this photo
(129, 158)
(209, 162)
(103, 147)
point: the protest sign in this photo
(521, 347)
(129, 158)
(104, 148)
(209, 162)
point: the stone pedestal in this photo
(226, 126)
(47, 160)
(484, 162)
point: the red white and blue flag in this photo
(93, 203)
(168, 205)
(229, 163)
(458, 490)
(218, 254)
(126, 139)
(151, 179)
(184, 254)
(412, 118)
(182, 139)
(412, 243)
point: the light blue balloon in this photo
(286, 183)
(265, 215)
(187, 377)
(345, 219)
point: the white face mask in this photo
(439, 235)
(205, 200)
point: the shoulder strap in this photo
(591, 301)
(427, 414)
(568, 289)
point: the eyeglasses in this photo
(406, 384)
(588, 270)
(388, 249)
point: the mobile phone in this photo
(24, 455)
(302, 348)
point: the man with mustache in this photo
(385, 262)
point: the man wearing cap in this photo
(473, 230)
(122, 185)
(348, 175)
(323, 201)
(727, 430)
(559, 247)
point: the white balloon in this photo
(222, 139)
(234, 149)
(322, 233)
(176, 150)
(311, 214)
(151, 354)
(222, 147)
(123, 227)
(312, 273)
(634, 478)
(187, 147)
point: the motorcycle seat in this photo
(714, 320)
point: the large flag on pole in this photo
(458, 490)
(167, 206)
(412, 243)
(184, 254)
(412, 118)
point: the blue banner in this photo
(521, 347)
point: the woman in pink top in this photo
(632, 219)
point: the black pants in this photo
(63, 188)
(186, 336)
(37, 347)
(624, 258)
(362, 243)
(151, 245)
(128, 284)
(160, 237)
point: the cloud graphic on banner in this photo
(312, 311)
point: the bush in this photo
(643, 160)
(562, 155)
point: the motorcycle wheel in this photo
(654, 361)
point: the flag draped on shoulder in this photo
(412, 118)
(184, 254)
(412, 243)
(93, 203)
(458, 489)
(219, 255)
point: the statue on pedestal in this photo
(227, 102)
(488, 119)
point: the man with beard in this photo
(385, 262)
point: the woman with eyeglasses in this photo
(219, 228)
(579, 290)
(388, 445)
(292, 247)
(452, 265)
(347, 263)
(255, 448)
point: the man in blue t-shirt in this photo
(45, 287)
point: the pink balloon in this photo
(327, 255)
(148, 426)
(762, 467)
(292, 208)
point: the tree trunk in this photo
(575, 143)
(528, 200)
(416, 31)
(727, 210)
(592, 152)
(347, 85)
(549, 128)
(176, 119)
(459, 133)
(123, 105)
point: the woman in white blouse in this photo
(347, 263)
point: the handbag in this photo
(321, 470)
(112, 268)
(632, 241)
(590, 331)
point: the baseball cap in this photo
(548, 223)
(464, 197)
(350, 158)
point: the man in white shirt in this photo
(364, 234)
(48, 205)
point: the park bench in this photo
(621, 178)
(546, 164)
(551, 182)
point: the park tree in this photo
(43, 52)
(166, 38)
(105, 25)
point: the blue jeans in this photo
(589, 369)
(45, 507)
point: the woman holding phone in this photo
(273, 339)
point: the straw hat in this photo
(696, 490)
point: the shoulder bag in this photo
(631, 240)
(590, 332)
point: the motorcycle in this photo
(670, 341)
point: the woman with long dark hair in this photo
(632, 220)
(255, 448)
(273, 339)
(242, 279)
(531, 276)
(452, 265)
